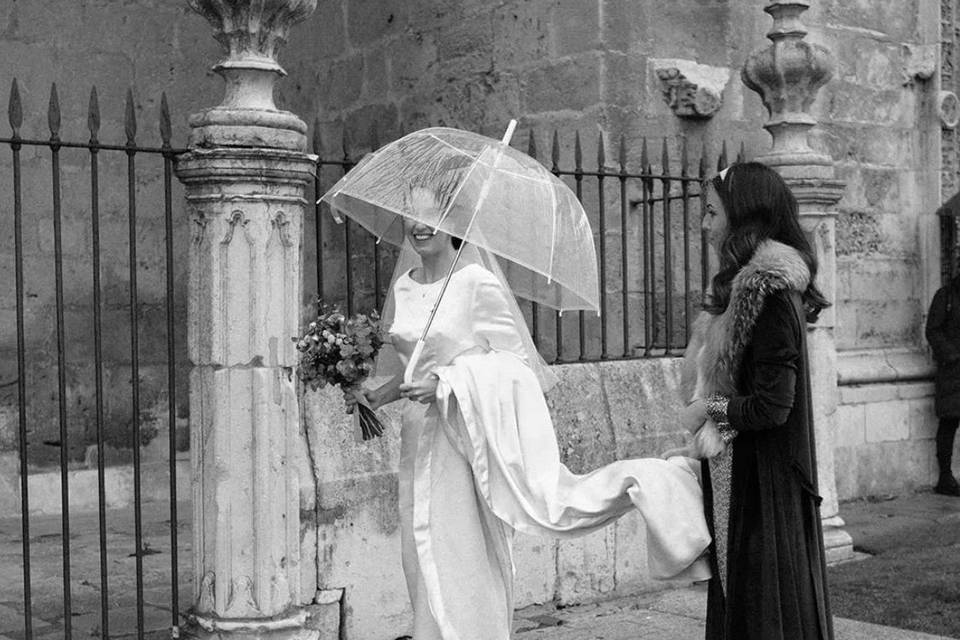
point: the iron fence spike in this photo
(53, 112)
(577, 153)
(623, 153)
(742, 154)
(316, 139)
(722, 160)
(532, 145)
(15, 108)
(555, 150)
(165, 128)
(93, 115)
(665, 158)
(601, 153)
(130, 119)
(684, 157)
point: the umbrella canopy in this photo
(492, 196)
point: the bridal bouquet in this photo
(340, 351)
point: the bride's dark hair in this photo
(759, 206)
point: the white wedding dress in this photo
(483, 462)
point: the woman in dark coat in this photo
(746, 370)
(943, 334)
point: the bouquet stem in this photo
(366, 417)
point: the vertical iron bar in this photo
(15, 115)
(318, 218)
(131, 130)
(53, 119)
(578, 182)
(667, 253)
(165, 132)
(534, 307)
(685, 195)
(649, 305)
(624, 279)
(601, 174)
(555, 159)
(93, 124)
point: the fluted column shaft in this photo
(246, 178)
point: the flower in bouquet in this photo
(341, 351)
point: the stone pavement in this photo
(670, 615)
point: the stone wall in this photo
(602, 412)
(148, 47)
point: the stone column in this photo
(245, 179)
(787, 74)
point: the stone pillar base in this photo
(837, 543)
(312, 622)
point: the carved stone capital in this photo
(251, 34)
(691, 90)
(787, 74)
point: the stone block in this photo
(376, 77)
(868, 393)
(342, 81)
(887, 18)
(535, 559)
(569, 84)
(584, 431)
(851, 425)
(923, 419)
(886, 421)
(521, 35)
(357, 555)
(576, 27)
(632, 569)
(585, 567)
(412, 58)
(643, 400)
(471, 38)
(846, 472)
(372, 20)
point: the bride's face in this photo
(422, 237)
(714, 221)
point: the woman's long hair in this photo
(759, 206)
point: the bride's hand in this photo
(350, 399)
(424, 390)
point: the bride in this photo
(479, 458)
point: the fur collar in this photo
(718, 341)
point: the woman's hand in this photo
(694, 415)
(424, 390)
(707, 442)
(350, 398)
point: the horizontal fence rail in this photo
(65, 199)
(653, 260)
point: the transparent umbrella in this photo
(492, 196)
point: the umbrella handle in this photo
(414, 358)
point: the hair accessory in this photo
(723, 174)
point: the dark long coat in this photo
(943, 334)
(775, 582)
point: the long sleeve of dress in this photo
(774, 355)
(944, 350)
(493, 324)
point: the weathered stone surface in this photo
(570, 84)
(887, 421)
(585, 567)
(851, 425)
(536, 576)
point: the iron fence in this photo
(102, 298)
(653, 261)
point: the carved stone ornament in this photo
(788, 74)
(948, 108)
(691, 90)
(251, 33)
